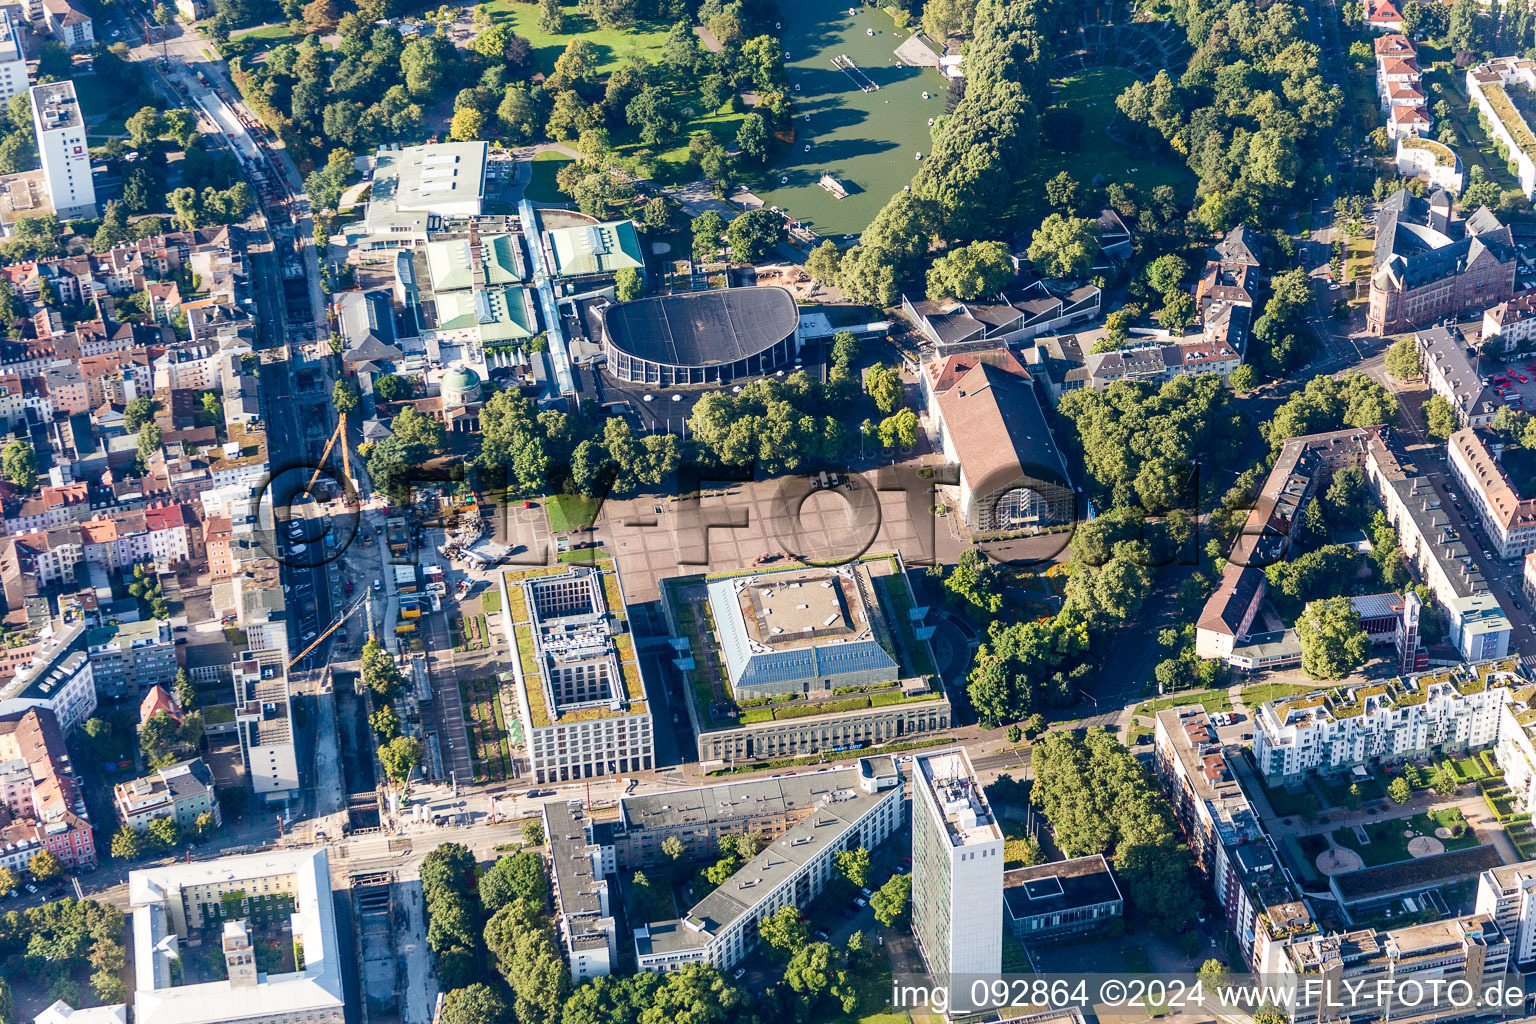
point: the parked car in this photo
(740, 971)
(860, 902)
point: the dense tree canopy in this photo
(1251, 114)
(1100, 799)
(1140, 443)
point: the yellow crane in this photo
(331, 629)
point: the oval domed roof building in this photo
(701, 337)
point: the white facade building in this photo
(13, 57)
(580, 688)
(1486, 86)
(60, 679)
(1330, 732)
(177, 901)
(1507, 518)
(60, 130)
(790, 872)
(264, 717)
(957, 872)
(1433, 161)
(583, 901)
(1508, 895)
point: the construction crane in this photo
(321, 638)
(341, 424)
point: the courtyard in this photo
(867, 140)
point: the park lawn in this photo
(672, 165)
(614, 46)
(541, 186)
(1211, 700)
(1289, 805)
(1357, 258)
(1092, 95)
(570, 511)
(273, 35)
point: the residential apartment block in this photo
(790, 872)
(1261, 902)
(1507, 894)
(130, 657)
(957, 873)
(1488, 87)
(181, 792)
(1507, 516)
(42, 805)
(1431, 712)
(1472, 950)
(580, 861)
(1452, 369)
(60, 679)
(13, 57)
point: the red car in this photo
(1522, 378)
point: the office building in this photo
(957, 873)
(700, 817)
(1331, 732)
(1261, 902)
(580, 690)
(264, 718)
(172, 903)
(580, 861)
(1062, 898)
(181, 792)
(790, 872)
(59, 127)
(789, 639)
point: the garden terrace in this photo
(569, 628)
(1500, 102)
(1442, 153)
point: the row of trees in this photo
(979, 150)
(398, 754)
(1100, 799)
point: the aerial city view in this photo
(755, 512)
